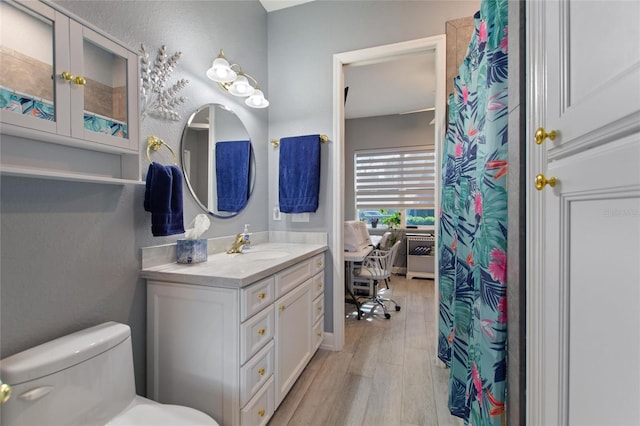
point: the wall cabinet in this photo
(234, 353)
(420, 256)
(70, 87)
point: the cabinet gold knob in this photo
(319, 334)
(319, 285)
(542, 134)
(66, 76)
(541, 181)
(261, 412)
(261, 371)
(261, 331)
(5, 392)
(282, 308)
(319, 264)
(80, 81)
(319, 308)
(261, 295)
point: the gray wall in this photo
(301, 43)
(389, 131)
(70, 253)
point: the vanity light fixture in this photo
(232, 79)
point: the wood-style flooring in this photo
(387, 374)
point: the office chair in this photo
(376, 268)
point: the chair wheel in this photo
(387, 316)
(397, 308)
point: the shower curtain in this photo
(473, 226)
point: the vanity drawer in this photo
(290, 278)
(318, 285)
(256, 297)
(256, 373)
(317, 263)
(259, 410)
(255, 333)
(317, 333)
(318, 308)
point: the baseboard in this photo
(328, 342)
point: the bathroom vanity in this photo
(230, 336)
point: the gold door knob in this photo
(541, 181)
(261, 371)
(261, 412)
(66, 76)
(262, 331)
(5, 392)
(542, 134)
(80, 81)
(261, 295)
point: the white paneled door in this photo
(583, 269)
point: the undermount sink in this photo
(265, 255)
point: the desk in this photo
(351, 257)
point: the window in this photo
(403, 179)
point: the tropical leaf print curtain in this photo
(473, 226)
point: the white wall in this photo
(70, 253)
(302, 41)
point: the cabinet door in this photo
(32, 92)
(104, 93)
(192, 348)
(293, 337)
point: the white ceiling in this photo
(399, 85)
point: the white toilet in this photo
(85, 378)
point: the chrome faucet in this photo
(238, 244)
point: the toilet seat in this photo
(144, 412)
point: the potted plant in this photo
(392, 221)
(374, 222)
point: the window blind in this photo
(395, 179)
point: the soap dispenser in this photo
(246, 237)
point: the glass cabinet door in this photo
(107, 88)
(27, 76)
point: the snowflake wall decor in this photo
(157, 100)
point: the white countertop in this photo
(236, 270)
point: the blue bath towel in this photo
(232, 175)
(163, 198)
(299, 177)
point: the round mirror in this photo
(217, 160)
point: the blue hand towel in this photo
(232, 174)
(163, 198)
(299, 177)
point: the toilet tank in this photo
(84, 378)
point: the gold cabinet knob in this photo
(541, 181)
(262, 331)
(282, 308)
(66, 76)
(541, 135)
(261, 295)
(5, 392)
(261, 412)
(319, 334)
(261, 371)
(80, 81)
(319, 308)
(319, 285)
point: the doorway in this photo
(372, 55)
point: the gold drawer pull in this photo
(541, 180)
(5, 392)
(282, 308)
(319, 334)
(320, 265)
(80, 81)
(261, 412)
(319, 285)
(262, 331)
(319, 308)
(262, 295)
(541, 135)
(261, 371)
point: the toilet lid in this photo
(161, 415)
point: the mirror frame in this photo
(252, 164)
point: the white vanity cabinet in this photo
(69, 95)
(234, 353)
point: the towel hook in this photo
(154, 143)
(276, 142)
